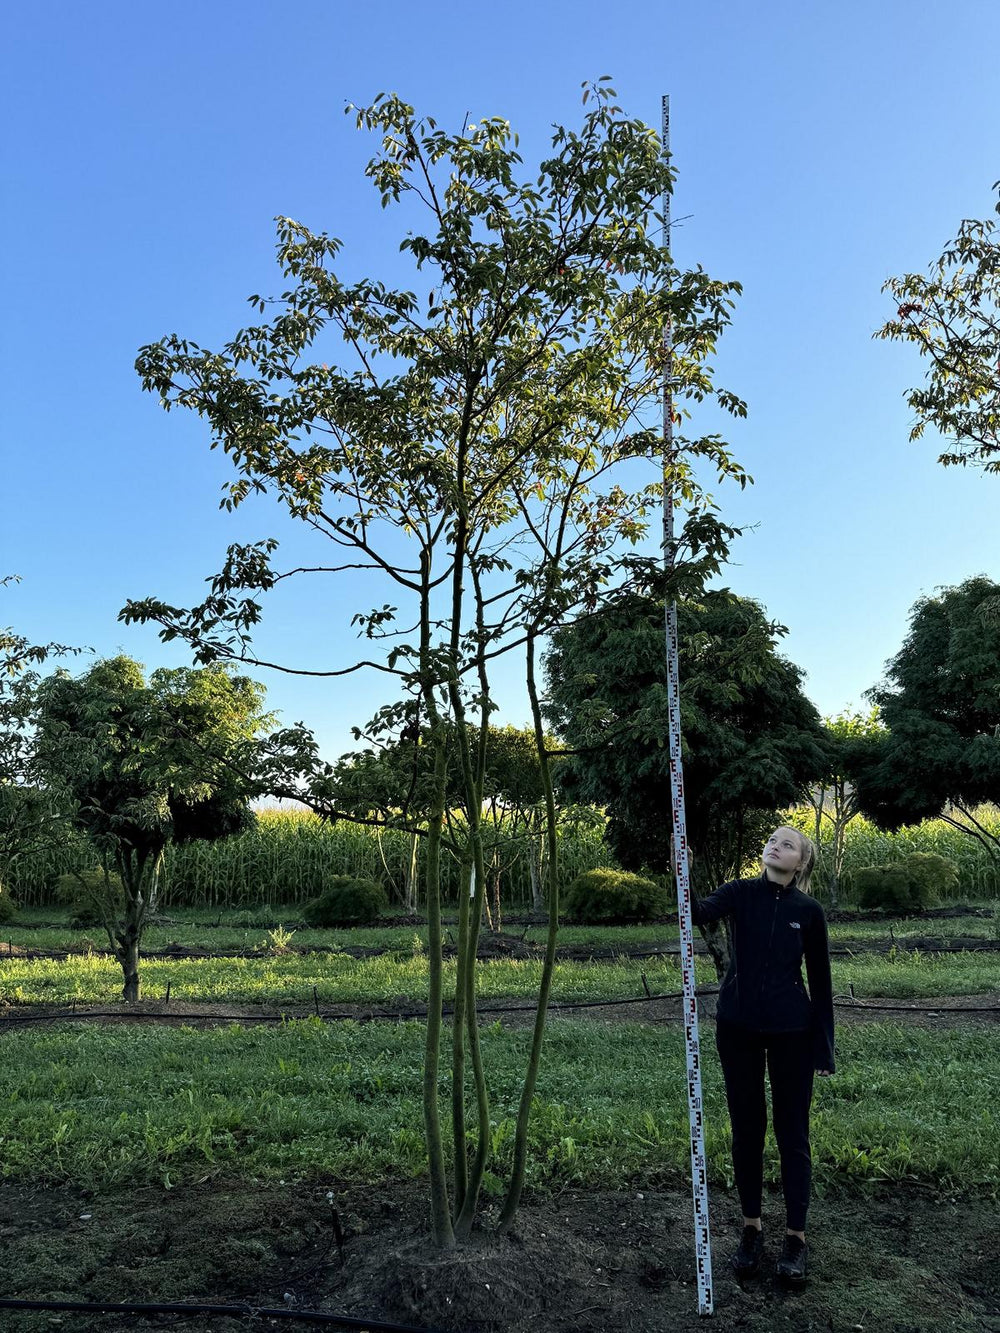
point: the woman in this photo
(764, 1015)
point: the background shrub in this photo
(347, 902)
(90, 895)
(919, 881)
(605, 896)
(8, 908)
(933, 877)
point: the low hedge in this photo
(346, 901)
(609, 897)
(919, 881)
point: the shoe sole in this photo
(791, 1281)
(742, 1273)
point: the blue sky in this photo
(820, 149)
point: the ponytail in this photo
(804, 873)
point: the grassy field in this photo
(393, 978)
(105, 1106)
(254, 930)
(121, 1143)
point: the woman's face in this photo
(782, 851)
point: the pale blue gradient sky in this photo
(820, 148)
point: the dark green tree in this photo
(30, 819)
(952, 315)
(940, 702)
(138, 766)
(752, 741)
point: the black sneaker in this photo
(746, 1260)
(790, 1269)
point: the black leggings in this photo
(789, 1058)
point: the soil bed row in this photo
(897, 1259)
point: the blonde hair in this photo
(807, 851)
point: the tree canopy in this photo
(29, 819)
(940, 702)
(140, 765)
(952, 315)
(752, 741)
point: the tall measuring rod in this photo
(699, 1180)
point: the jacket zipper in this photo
(767, 964)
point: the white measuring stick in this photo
(699, 1179)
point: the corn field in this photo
(290, 853)
(865, 845)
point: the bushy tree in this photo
(752, 741)
(30, 818)
(952, 315)
(138, 766)
(940, 702)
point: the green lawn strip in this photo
(390, 978)
(943, 928)
(337, 978)
(907, 975)
(256, 940)
(239, 931)
(99, 1106)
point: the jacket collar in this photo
(793, 883)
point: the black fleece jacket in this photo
(772, 927)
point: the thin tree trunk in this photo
(535, 872)
(494, 885)
(477, 1169)
(128, 956)
(442, 1232)
(132, 869)
(513, 1198)
(411, 875)
(461, 1166)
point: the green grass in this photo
(255, 939)
(239, 930)
(338, 978)
(128, 1104)
(389, 978)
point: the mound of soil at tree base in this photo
(890, 1260)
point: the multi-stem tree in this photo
(483, 445)
(851, 739)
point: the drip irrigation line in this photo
(360, 952)
(398, 1015)
(236, 1311)
(407, 1014)
(919, 1008)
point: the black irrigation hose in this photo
(399, 1016)
(237, 1311)
(920, 1008)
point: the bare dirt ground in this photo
(896, 1260)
